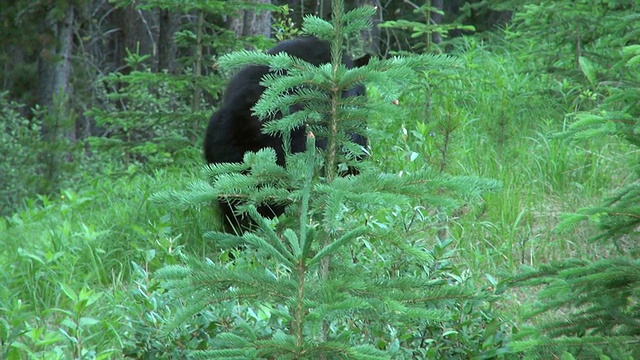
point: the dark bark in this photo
(54, 64)
(197, 72)
(135, 33)
(436, 18)
(54, 93)
(323, 9)
(166, 44)
(298, 10)
(371, 37)
(251, 22)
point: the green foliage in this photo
(49, 315)
(577, 34)
(60, 153)
(19, 158)
(321, 302)
(215, 7)
(424, 29)
(75, 271)
(619, 215)
(33, 164)
(488, 111)
(599, 299)
(590, 310)
(283, 26)
(490, 116)
(455, 319)
(148, 120)
(151, 118)
(19, 21)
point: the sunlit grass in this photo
(506, 127)
(490, 119)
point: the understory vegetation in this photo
(519, 241)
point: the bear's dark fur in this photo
(233, 130)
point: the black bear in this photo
(233, 130)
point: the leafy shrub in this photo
(333, 277)
(19, 151)
(147, 121)
(590, 308)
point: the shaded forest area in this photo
(494, 216)
(65, 63)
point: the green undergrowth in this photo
(77, 268)
(496, 120)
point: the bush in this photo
(19, 140)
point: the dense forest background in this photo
(501, 186)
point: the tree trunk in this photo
(436, 18)
(251, 22)
(197, 72)
(135, 28)
(323, 9)
(166, 44)
(54, 65)
(298, 11)
(371, 37)
(54, 91)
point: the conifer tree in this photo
(330, 305)
(591, 309)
